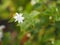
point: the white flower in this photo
(1, 31)
(18, 17)
(2, 27)
(33, 2)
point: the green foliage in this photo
(36, 20)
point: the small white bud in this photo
(50, 17)
(52, 41)
(28, 35)
(2, 27)
(33, 2)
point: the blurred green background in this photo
(42, 20)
